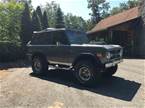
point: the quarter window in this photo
(42, 39)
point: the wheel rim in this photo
(84, 74)
(37, 65)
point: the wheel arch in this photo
(38, 54)
(86, 56)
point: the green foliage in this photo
(89, 25)
(70, 21)
(99, 8)
(51, 9)
(105, 10)
(35, 22)
(10, 51)
(45, 20)
(125, 6)
(10, 15)
(75, 22)
(26, 27)
(133, 3)
(40, 16)
(59, 19)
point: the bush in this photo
(10, 52)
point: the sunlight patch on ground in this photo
(57, 105)
(3, 74)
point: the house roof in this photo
(117, 19)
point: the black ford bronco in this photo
(70, 48)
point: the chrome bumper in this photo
(108, 65)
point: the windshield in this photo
(77, 37)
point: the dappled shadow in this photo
(114, 87)
(18, 64)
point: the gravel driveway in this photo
(19, 88)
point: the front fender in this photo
(87, 56)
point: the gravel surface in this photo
(19, 88)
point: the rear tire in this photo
(110, 71)
(39, 65)
(86, 73)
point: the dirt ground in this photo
(19, 88)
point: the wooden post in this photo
(111, 36)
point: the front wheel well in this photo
(37, 54)
(86, 57)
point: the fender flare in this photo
(87, 56)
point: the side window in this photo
(35, 39)
(46, 38)
(60, 37)
(42, 39)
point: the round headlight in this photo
(108, 55)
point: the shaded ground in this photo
(58, 89)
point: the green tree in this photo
(75, 22)
(124, 6)
(89, 25)
(45, 20)
(40, 16)
(26, 27)
(10, 21)
(98, 8)
(133, 3)
(59, 19)
(115, 10)
(105, 10)
(51, 9)
(35, 22)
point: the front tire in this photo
(39, 65)
(111, 71)
(86, 73)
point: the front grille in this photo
(115, 54)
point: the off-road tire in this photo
(109, 72)
(43, 62)
(95, 76)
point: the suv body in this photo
(71, 48)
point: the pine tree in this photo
(40, 16)
(35, 22)
(59, 19)
(26, 28)
(45, 20)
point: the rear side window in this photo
(60, 36)
(42, 39)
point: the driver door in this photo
(60, 48)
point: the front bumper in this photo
(113, 63)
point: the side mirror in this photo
(29, 43)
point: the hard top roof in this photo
(55, 29)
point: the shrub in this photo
(10, 51)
